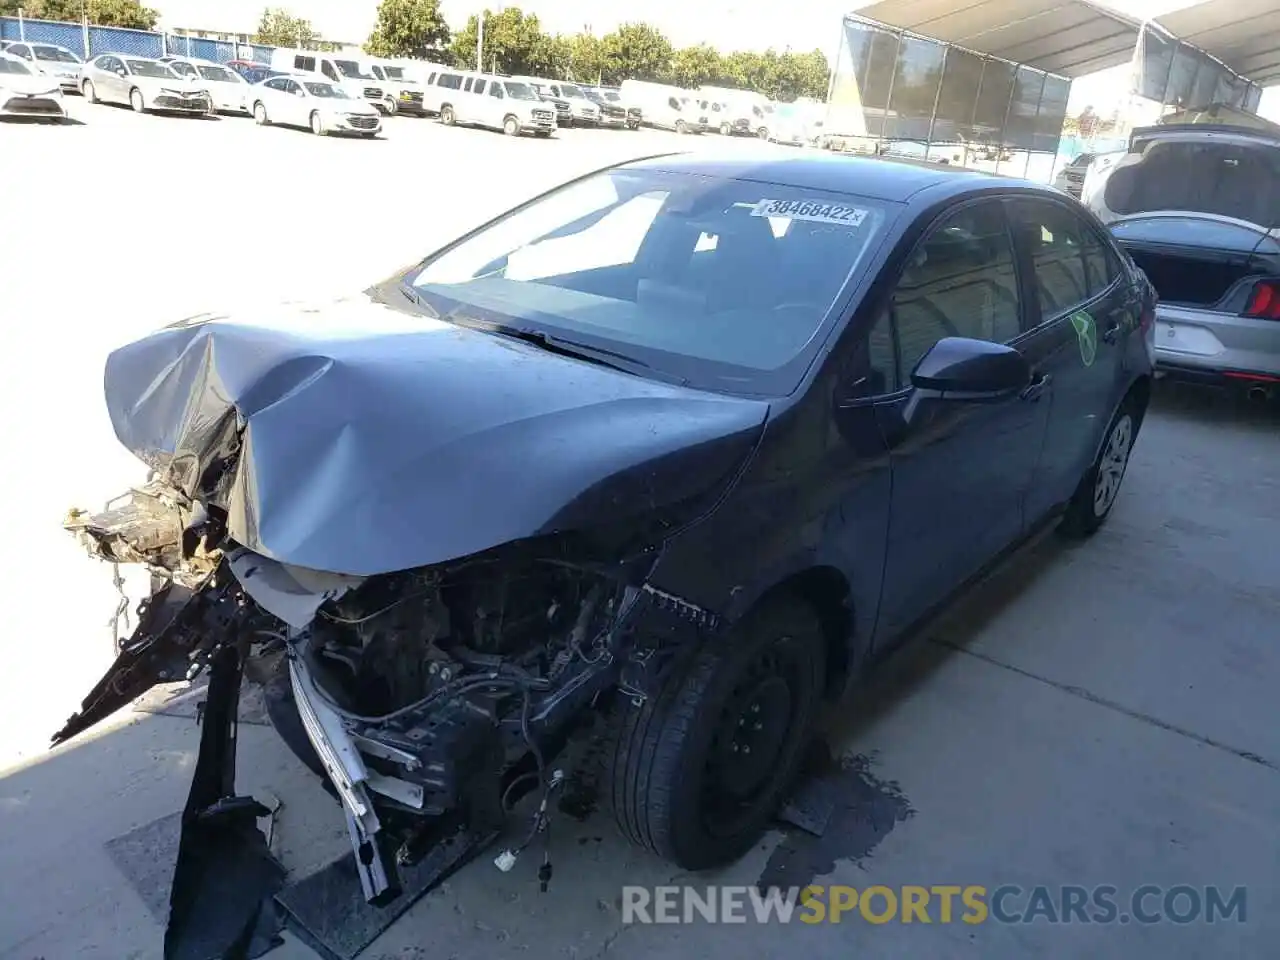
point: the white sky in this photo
(726, 24)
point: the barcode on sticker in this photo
(814, 210)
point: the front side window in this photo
(722, 283)
(450, 81)
(326, 69)
(958, 282)
(520, 91)
(495, 91)
(150, 68)
(277, 83)
(325, 90)
(1053, 236)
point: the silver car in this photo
(1197, 207)
(146, 85)
(26, 93)
(229, 90)
(51, 60)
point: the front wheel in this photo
(1100, 486)
(763, 133)
(511, 127)
(260, 115)
(446, 116)
(90, 94)
(697, 771)
(317, 124)
(681, 127)
(136, 101)
(725, 130)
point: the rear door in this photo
(961, 470)
(1081, 309)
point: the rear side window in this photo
(1054, 238)
(958, 282)
(479, 86)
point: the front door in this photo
(1079, 312)
(960, 470)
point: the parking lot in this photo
(1095, 715)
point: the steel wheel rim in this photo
(1112, 465)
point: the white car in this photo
(26, 93)
(306, 101)
(49, 58)
(229, 90)
(146, 85)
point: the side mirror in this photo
(958, 368)
(120, 71)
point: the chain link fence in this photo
(91, 41)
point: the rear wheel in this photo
(697, 771)
(446, 115)
(511, 127)
(1100, 486)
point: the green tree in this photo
(636, 51)
(279, 28)
(106, 13)
(408, 28)
(513, 43)
(585, 57)
(693, 66)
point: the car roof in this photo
(875, 178)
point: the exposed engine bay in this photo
(431, 698)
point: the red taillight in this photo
(1264, 301)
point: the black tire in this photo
(89, 92)
(260, 114)
(316, 123)
(763, 133)
(725, 130)
(1100, 486)
(136, 101)
(681, 127)
(446, 115)
(661, 769)
(511, 126)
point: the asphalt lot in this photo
(1100, 715)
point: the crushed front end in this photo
(431, 699)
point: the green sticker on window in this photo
(1086, 335)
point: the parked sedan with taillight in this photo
(26, 93)
(50, 59)
(1197, 207)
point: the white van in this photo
(746, 112)
(346, 73)
(485, 100)
(405, 90)
(666, 107)
(583, 111)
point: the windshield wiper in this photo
(559, 345)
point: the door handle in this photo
(1035, 389)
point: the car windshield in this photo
(1237, 179)
(149, 68)
(611, 96)
(318, 88)
(569, 90)
(351, 70)
(723, 284)
(519, 91)
(12, 66)
(217, 74)
(54, 54)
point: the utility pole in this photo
(480, 41)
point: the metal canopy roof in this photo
(1243, 34)
(1071, 38)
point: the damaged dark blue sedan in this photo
(675, 450)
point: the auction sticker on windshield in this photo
(816, 211)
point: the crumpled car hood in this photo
(359, 439)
